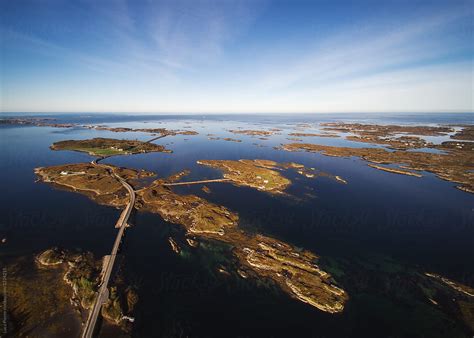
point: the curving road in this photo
(103, 293)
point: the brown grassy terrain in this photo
(385, 130)
(108, 147)
(466, 134)
(263, 257)
(256, 174)
(94, 181)
(389, 135)
(454, 166)
(263, 175)
(198, 215)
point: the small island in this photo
(455, 165)
(252, 132)
(256, 174)
(313, 134)
(94, 181)
(108, 146)
(229, 139)
(385, 130)
(392, 136)
(263, 175)
(394, 171)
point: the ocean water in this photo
(414, 224)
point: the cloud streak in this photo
(376, 50)
(209, 56)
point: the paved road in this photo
(103, 293)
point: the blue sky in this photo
(236, 56)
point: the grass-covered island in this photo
(92, 180)
(263, 175)
(108, 146)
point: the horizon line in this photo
(238, 113)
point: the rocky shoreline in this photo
(82, 273)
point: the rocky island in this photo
(450, 160)
(58, 285)
(83, 274)
(229, 139)
(454, 166)
(257, 174)
(252, 132)
(394, 171)
(299, 134)
(466, 133)
(393, 136)
(385, 130)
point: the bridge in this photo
(103, 293)
(198, 182)
(157, 137)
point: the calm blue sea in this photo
(377, 220)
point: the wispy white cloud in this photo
(176, 56)
(166, 36)
(430, 88)
(372, 48)
(195, 32)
